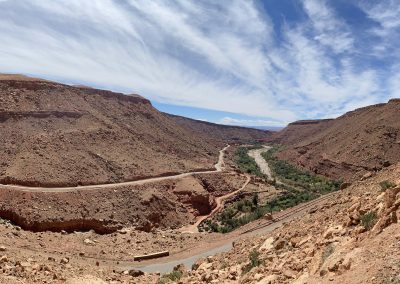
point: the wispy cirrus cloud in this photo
(329, 30)
(205, 54)
(248, 122)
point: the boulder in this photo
(268, 217)
(89, 242)
(88, 279)
(279, 244)
(135, 272)
(303, 279)
(269, 279)
(267, 245)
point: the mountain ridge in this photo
(360, 141)
(60, 135)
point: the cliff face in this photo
(53, 134)
(360, 141)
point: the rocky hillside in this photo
(301, 130)
(351, 238)
(233, 134)
(359, 142)
(53, 134)
(164, 204)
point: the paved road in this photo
(188, 258)
(225, 244)
(218, 168)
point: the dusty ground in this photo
(166, 204)
(53, 257)
(47, 257)
(329, 245)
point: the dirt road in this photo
(220, 205)
(261, 226)
(189, 256)
(218, 168)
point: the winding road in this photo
(190, 256)
(224, 242)
(219, 166)
(220, 205)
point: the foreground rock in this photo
(353, 238)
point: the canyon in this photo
(91, 179)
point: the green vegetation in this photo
(386, 185)
(255, 261)
(293, 176)
(368, 220)
(297, 186)
(236, 215)
(329, 250)
(173, 276)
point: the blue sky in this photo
(232, 62)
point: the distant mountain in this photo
(270, 128)
(360, 141)
(228, 133)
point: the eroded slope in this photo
(57, 135)
(361, 141)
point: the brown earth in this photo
(328, 245)
(361, 141)
(58, 135)
(48, 257)
(165, 204)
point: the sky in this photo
(239, 62)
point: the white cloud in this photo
(250, 122)
(202, 54)
(330, 31)
(386, 12)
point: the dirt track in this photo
(224, 243)
(218, 168)
(189, 257)
(220, 204)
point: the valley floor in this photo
(332, 239)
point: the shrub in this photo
(254, 258)
(255, 200)
(298, 187)
(296, 177)
(328, 252)
(173, 276)
(245, 163)
(368, 220)
(386, 185)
